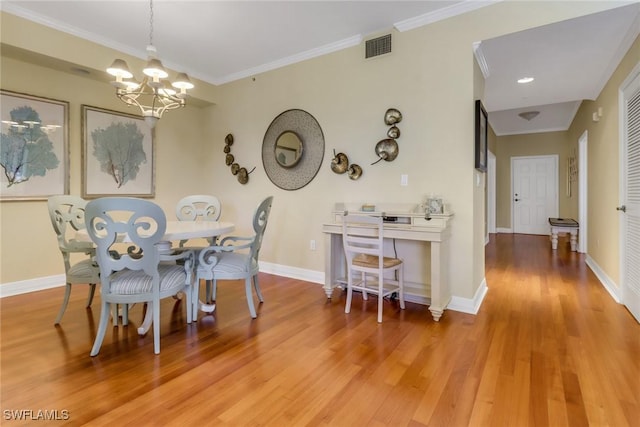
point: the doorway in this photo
(534, 183)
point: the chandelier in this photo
(155, 94)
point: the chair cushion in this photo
(371, 261)
(232, 264)
(131, 282)
(85, 268)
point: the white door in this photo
(535, 193)
(630, 192)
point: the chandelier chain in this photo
(151, 22)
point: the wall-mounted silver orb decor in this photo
(392, 116)
(340, 163)
(229, 159)
(354, 171)
(387, 149)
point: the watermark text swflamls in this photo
(35, 414)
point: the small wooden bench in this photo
(564, 225)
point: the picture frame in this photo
(106, 134)
(34, 147)
(481, 141)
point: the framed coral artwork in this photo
(117, 154)
(34, 147)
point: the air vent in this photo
(378, 46)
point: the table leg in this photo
(440, 290)
(329, 265)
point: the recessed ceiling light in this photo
(525, 80)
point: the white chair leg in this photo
(247, 285)
(65, 301)
(401, 291)
(256, 285)
(102, 327)
(92, 291)
(380, 297)
(365, 295)
(347, 306)
(155, 305)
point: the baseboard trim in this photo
(292, 272)
(611, 287)
(464, 305)
(504, 230)
(31, 285)
(469, 305)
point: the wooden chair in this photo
(67, 216)
(199, 207)
(237, 257)
(362, 239)
(135, 276)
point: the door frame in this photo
(583, 143)
(556, 208)
(491, 194)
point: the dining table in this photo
(177, 231)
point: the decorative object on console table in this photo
(434, 205)
(241, 173)
(35, 148)
(481, 125)
(117, 154)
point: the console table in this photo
(564, 225)
(402, 222)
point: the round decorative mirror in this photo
(293, 149)
(288, 150)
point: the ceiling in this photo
(222, 41)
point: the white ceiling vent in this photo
(378, 46)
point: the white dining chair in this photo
(67, 216)
(236, 257)
(362, 239)
(143, 275)
(199, 207)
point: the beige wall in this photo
(430, 77)
(536, 144)
(27, 239)
(604, 168)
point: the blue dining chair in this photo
(236, 257)
(131, 276)
(67, 216)
(199, 207)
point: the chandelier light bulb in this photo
(119, 68)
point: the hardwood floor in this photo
(549, 347)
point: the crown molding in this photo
(441, 14)
(480, 58)
(303, 56)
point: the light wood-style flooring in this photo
(549, 347)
